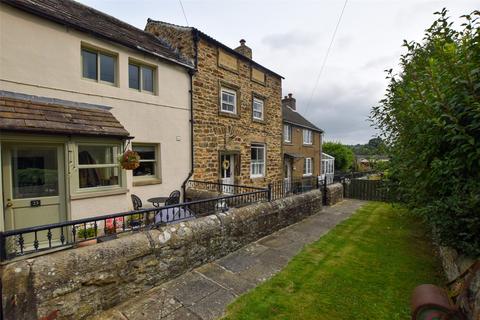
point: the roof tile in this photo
(36, 116)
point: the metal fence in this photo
(221, 187)
(30, 240)
(288, 187)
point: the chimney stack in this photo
(244, 50)
(290, 102)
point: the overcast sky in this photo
(292, 37)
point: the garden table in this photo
(157, 201)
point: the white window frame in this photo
(258, 162)
(99, 52)
(287, 133)
(307, 137)
(114, 164)
(231, 92)
(156, 161)
(140, 67)
(307, 167)
(261, 104)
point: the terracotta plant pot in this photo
(86, 243)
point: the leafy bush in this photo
(430, 119)
(86, 233)
(342, 153)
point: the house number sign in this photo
(35, 203)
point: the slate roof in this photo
(297, 119)
(43, 115)
(99, 24)
(217, 43)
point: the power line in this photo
(326, 55)
(183, 10)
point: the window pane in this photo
(89, 61)
(98, 177)
(34, 172)
(147, 79)
(145, 169)
(97, 155)
(107, 68)
(133, 77)
(145, 152)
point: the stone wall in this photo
(334, 194)
(84, 281)
(453, 266)
(217, 132)
(197, 194)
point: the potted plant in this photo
(83, 236)
(134, 221)
(129, 160)
(110, 230)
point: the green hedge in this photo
(430, 118)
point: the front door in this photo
(287, 175)
(33, 187)
(227, 172)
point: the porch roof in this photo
(19, 112)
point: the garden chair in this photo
(173, 198)
(137, 202)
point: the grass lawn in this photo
(365, 268)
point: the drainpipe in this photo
(190, 73)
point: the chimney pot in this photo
(290, 102)
(244, 49)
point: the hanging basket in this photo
(130, 160)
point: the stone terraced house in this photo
(302, 143)
(78, 87)
(237, 109)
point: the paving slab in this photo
(204, 293)
(225, 278)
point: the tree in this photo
(343, 155)
(430, 120)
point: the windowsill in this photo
(228, 114)
(262, 121)
(143, 91)
(288, 143)
(257, 177)
(111, 84)
(100, 193)
(146, 182)
(307, 175)
(308, 145)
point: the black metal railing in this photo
(288, 187)
(25, 241)
(221, 188)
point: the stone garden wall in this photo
(197, 194)
(82, 282)
(334, 193)
(453, 266)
